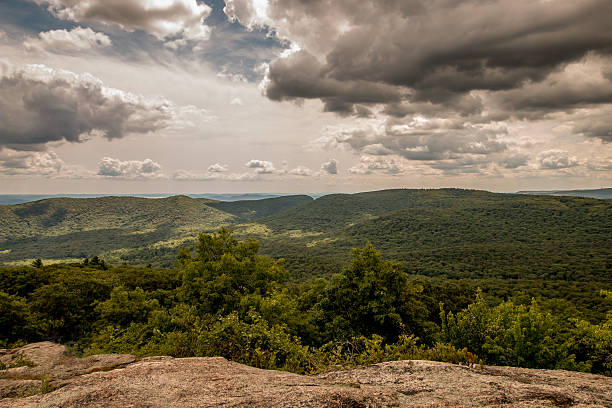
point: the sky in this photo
(188, 96)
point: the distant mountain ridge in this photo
(12, 199)
(599, 193)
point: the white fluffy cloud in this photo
(173, 21)
(130, 169)
(217, 168)
(261, 166)
(39, 105)
(556, 159)
(301, 171)
(78, 39)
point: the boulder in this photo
(123, 381)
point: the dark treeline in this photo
(223, 299)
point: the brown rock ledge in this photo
(124, 381)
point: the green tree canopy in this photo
(224, 270)
(371, 296)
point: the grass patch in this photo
(20, 361)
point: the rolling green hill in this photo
(541, 246)
(453, 233)
(119, 227)
(448, 233)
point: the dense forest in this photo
(223, 298)
(450, 233)
(452, 275)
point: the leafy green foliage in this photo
(369, 297)
(224, 298)
(250, 210)
(225, 273)
(526, 336)
(14, 316)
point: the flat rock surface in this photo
(124, 381)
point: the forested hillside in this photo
(450, 233)
(119, 227)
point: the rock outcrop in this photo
(47, 377)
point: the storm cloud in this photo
(482, 60)
(418, 140)
(39, 105)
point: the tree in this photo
(371, 296)
(507, 334)
(13, 318)
(126, 306)
(37, 263)
(225, 272)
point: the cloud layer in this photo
(473, 60)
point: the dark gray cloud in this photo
(330, 167)
(302, 76)
(437, 57)
(581, 85)
(40, 105)
(444, 47)
(420, 140)
(597, 125)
